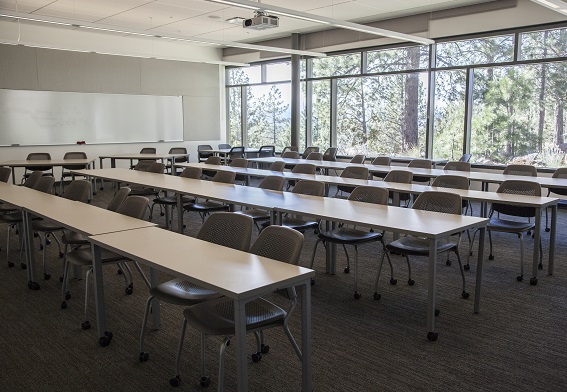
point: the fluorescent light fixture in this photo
(143, 33)
(555, 5)
(324, 20)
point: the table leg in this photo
(479, 261)
(30, 254)
(306, 372)
(104, 336)
(13, 175)
(179, 213)
(102, 179)
(537, 239)
(431, 334)
(240, 340)
(331, 251)
(552, 234)
(484, 205)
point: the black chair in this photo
(224, 146)
(380, 161)
(354, 172)
(267, 151)
(175, 151)
(212, 160)
(422, 164)
(202, 156)
(206, 207)
(465, 158)
(38, 156)
(65, 170)
(330, 154)
(308, 151)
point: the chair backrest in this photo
(445, 202)
(118, 198)
(309, 187)
(330, 154)
(78, 190)
(422, 163)
(358, 172)
(458, 166)
(359, 158)
(204, 147)
(39, 156)
(304, 168)
(236, 152)
(5, 174)
(400, 176)
(369, 194)
(290, 154)
(179, 150)
(44, 184)
(277, 166)
(74, 155)
(560, 173)
(192, 172)
(156, 167)
(290, 148)
(314, 156)
(148, 150)
(212, 160)
(274, 183)
(225, 177)
(33, 178)
(465, 158)
(308, 151)
(267, 151)
(521, 170)
(204, 155)
(134, 206)
(227, 229)
(279, 243)
(239, 162)
(451, 181)
(517, 187)
(382, 161)
(223, 146)
(143, 165)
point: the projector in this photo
(261, 21)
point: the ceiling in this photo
(207, 20)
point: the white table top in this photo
(142, 156)
(224, 151)
(47, 162)
(235, 274)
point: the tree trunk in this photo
(559, 125)
(411, 91)
(541, 122)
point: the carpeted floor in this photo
(516, 343)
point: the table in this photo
(238, 275)
(48, 162)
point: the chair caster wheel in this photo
(347, 270)
(64, 305)
(312, 282)
(205, 381)
(60, 279)
(519, 278)
(377, 296)
(105, 340)
(67, 296)
(41, 247)
(175, 381)
(470, 253)
(162, 214)
(256, 357)
(61, 254)
(33, 285)
(540, 266)
(264, 349)
(10, 264)
(46, 276)
(533, 281)
(547, 229)
(393, 282)
(86, 325)
(437, 311)
(411, 282)
(490, 257)
(448, 263)
(432, 336)
(465, 295)
(119, 272)
(356, 295)
(23, 265)
(129, 290)
(466, 267)
(144, 356)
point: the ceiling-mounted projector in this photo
(261, 21)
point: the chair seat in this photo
(46, 225)
(83, 256)
(216, 317)
(74, 238)
(347, 235)
(182, 292)
(172, 200)
(298, 224)
(205, 206)
(7, 207)
(11, 218)
(144, 192)
(509, 226)
(418, 246)
(255, 214)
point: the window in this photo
(269, 115)
(476, 51)
(244, 75)
(321, 114)
(234, 116)
(399, 59)
(278, 72)
(336, 65)
(543, 44)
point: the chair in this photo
(521, 170)
(290, 154)
(145, 150)
(206, 207)
(272, 183)
(314, 156)
(226, 229)
(76, 240)
(133, 206)
(153, 167)
(143, 165)
(290, 148)
(355, 172)
(224, 146)
(330, 154)
(171, 201)
(423, 164)
(350, 236)
(558, 173)
(308, 151)
(401, 177)
(301, 168)
(38, 156)
(212, 160)
(360, 158)
(78, 190)
(243, 163)
(441, 202)
(235, 152)
(465, 158)
(5, 174)
(380, 161)
(203, 156)
(458, 166)
(507, 225)
(216, 317)
(267, 151)
(65, 169)
(277, 166)
(175, 151)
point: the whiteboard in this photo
(50, 117)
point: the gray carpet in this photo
(516, 343)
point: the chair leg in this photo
(223, 347)
(411, 282)
(464, 293)
(347, 268)
(65, 294)
(521, 276)
(469, 253)
(490, 256)
(376, 295)
(127, 277)
(314, 252)
(86, 323)
(144, 356)
(176, 381)
(356, 293)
